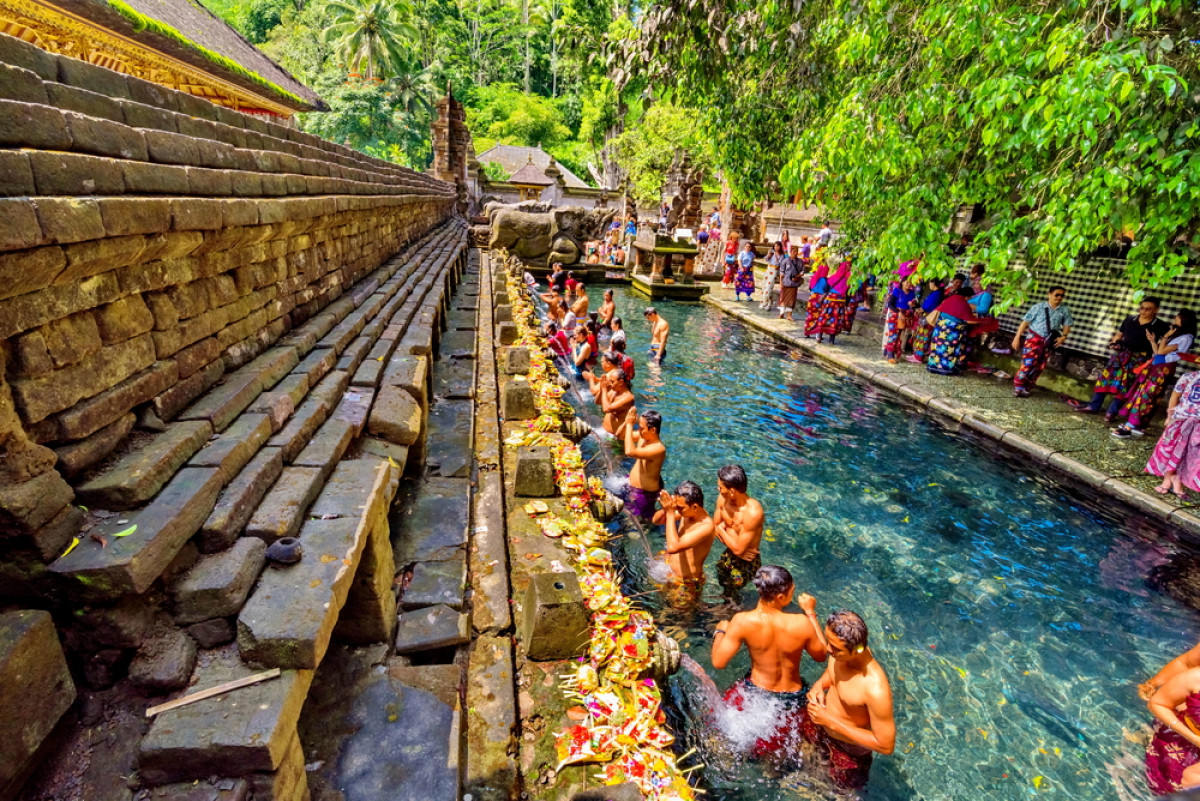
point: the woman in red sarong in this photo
(1173, 756)
(834, 315)
(818, 287)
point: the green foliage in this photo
(1071, 123)
(504, 113)
(371, 37)
(370, 116)
(647, 149)
(495, 171)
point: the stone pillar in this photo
(689, 270)
(656, 269)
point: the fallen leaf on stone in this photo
(327, 558)
(103, 542)
(71, 547)
(127, 531)
(533, 556)
(315, 583)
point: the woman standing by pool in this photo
(920, 339)
(731, 249)
(834, 316)
(900, 315)
(947, 343)
(1176, 457)
(1153, 377)
(1049, 325)
(744, 283)
(818, 287)
(774, 261)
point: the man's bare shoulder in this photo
(877, 678)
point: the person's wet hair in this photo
(551, 328)
(618, 345)
(690, 491)
(619, 374)
(594, 318)
(616, 322)
(848, 627)
(653, 420)
(611, 358)
(649, 311)
(772, 581)
(608, 293)
(734, 477)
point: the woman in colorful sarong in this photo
(834, 317)
(1176, 457)
(818, 287)
(901, 302)
(1131, 346)
(1048, 324)
(774, 261)
(947, 343)
(1153, 376)
(744, 281)
(731, 249)
(934, 294)
(1173, 755)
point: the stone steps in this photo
(314, 437)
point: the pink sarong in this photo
(1178, 449)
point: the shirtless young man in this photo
(659, 330)
(616, 400)
(649, 453)
(581, 304)
(608, 310)
(850, 706)
(777, 642)
(689, 532)
(739, 526)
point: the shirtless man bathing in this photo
(777, 642)
(850, 706)
(612, 394)
(739, 526)
(648, 451)
(660, 329)
(689, 533)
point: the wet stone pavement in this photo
(1042, 427)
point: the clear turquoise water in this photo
(999, 602)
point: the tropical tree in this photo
(371, 35)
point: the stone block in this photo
(293, 385)
(434, 627)
(62, 220)
(79, 456)
(369, 615)
(71, 339)
(370, 447)
(123, 319)
(534, 476)
(51, 539)
(516, 361)
(218, 584)
(25, 271)
(294, 436)
(354, 355)
(40, 397)
(518, 400)
(58, 173)
(123, 625)
(282, 510)
(326, 448)
(430, 520)
(276, 407)
(232, 449)
(98, 411)
(16, 180)
(491, 721)
(502, 313)
(355, 407)
(506, 333)
(289, 619)
(33, 125)
(410, 373)
(213, 790)
(29, 505)
(239, 500)
(151, 538)
(288, 782)
(330, 389)
(246, 730)
(35, 690)
(164, 662)
(435, 583)
(105, 137)
(396, 416)
(168, 404)
(138, 476)
(555, 623)
(212, 633)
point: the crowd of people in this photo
(847, 714)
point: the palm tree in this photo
(371, 34)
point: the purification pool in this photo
(1014, 617)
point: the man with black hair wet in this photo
(739, 526)
(850, 707)
(689, 533)
(648, 451)
(777, 641)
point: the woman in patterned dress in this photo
(1152, 378)
(818, 287)
(934, 295)
(1176, 457)
(834, 315)
(951, 323)
(900, 317)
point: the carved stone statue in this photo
(542, 238)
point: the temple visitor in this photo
(774, 262)
(582, 303)
(558, 341)
(608, 310)
(1049, 325)
(618, 333)
(567, 320)
(615, 400)
(790, 277)
(806, 253)
(584, 351)
(660, 329)
(689, 534)
(777, 641)
(1131, 346)
(834, 315)
(744, 280)
(898, 322)
(739, 523)
(1173, 755)
(558, 278)
(702, 235)
(616, 256)
(849, 714)
(643, 445)
(631, 226)
(1153, 376)
(818, 288)
(714, 219)
(1176, 457)
(920, 339)
(596, 383)
(731, 249)
(623, 360)
(786, 239)
(951, 322)
(825, 236)
(572, 285)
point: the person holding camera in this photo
(1049, 325)
(1131, 347)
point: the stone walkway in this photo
(1042, 428)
